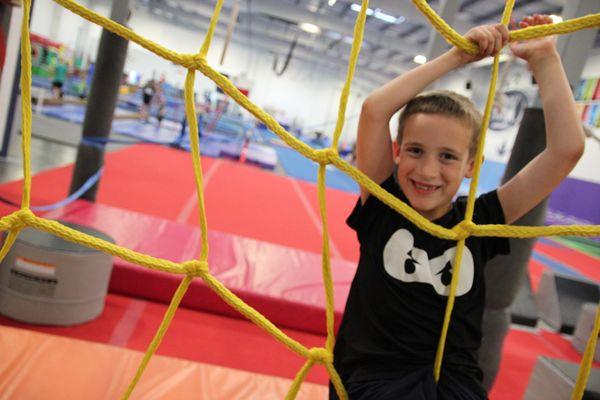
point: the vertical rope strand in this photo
(26, 105)
(8, 242)
(359, 28)
(587, 359)
(190, 112)
(211, 29)
(326, 258)
(439, 355)
(470, 203)
(160, 333)
(337, 382)
(300, 377)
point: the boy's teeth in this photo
(424, 187)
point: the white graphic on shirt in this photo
(407, 263)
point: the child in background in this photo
(389, 334)
(61, 70)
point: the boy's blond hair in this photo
(444, 102)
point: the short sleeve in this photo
(488, 210)
(365, 216)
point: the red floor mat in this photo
(240, 199)
(587, 265)
(193, 335)
(239, 344)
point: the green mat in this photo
(585, 245)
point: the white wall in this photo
(307, 94)
(7, 78)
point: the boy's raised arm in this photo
(565, 139)
(374, 154)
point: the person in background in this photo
(60, 76)
(148, 91)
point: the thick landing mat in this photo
(283, 283)
(41, 366)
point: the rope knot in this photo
(325, 156)
(192, 61)
(24, 218)
(320, 355)
(195, 267)
(14, 220)
(463, 230)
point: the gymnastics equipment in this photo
(47, 280)
(288, 297)
(583, 329)
(200, 268)
(523, 310)
(559, 299)
(555, 379)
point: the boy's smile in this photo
(433, 158)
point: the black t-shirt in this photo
(395, 309)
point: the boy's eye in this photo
(414, 150)
(449, 157)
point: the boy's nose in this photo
(428, 168)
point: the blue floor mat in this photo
(298, 166)
(68, 112)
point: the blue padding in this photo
(91, 181)
(298, 166)
(556, 265)
(67, 112)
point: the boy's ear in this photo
(396, 151)
(471, 166)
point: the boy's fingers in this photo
(493, 37)
(505, 34)
(497, 44)
(485, 43)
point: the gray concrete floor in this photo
(53, 144)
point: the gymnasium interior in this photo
(114, 145)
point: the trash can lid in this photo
(41, 239)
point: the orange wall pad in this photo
(40, 366)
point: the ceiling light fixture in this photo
(310, 28)
(377, 13)
(356, 7)
(390, 19)
(420, 59)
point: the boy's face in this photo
(433, 158)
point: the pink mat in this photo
(283, 283)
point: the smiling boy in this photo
(389, 334)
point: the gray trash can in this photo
(47, 280)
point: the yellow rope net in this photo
(199, 268)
